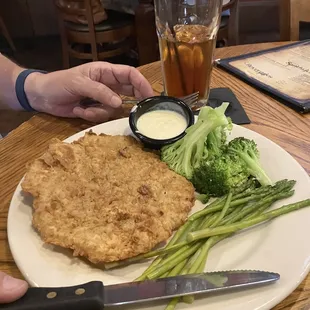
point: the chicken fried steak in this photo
(105, 198)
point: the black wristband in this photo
(20, 89)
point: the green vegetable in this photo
(200, 257)
(216, 139)
(186, 154)
(218, 220)
(173, 261)
(203, 198)
(253, 195)
(247, 151)
(224, 210)
(216, 177)
(202, 234)
(230, 169)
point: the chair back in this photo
(292, 13)
(230, 33)
(68, 9)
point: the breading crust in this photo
(106, 198)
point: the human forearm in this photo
(9, 72)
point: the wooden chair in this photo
(228, 33)
(6, 34)
(292, 13)
(112, 37)
(147, 42)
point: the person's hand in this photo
(11, 289)
(60, 92)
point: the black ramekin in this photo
(159, 103)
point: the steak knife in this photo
(95, 296)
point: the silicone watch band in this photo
(20, 89)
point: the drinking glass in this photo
(187, 31)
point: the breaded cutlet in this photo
(105, 198)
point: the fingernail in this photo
(116, 101)
(10, 284)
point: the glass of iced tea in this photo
(187, 32)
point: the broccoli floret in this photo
(213, 144)
(203, 198)
(217, 139)
(186, 154)
(247, 150)
(218, 176)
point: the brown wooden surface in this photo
(292, 12)
(270, 118)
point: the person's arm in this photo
(59, 93)
(9, 72)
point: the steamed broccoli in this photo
(203, 198)
(217, 138)
(213, 144)
(186, 154)
(220, 174)
(230, 169)
(247, 150)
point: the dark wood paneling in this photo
(27, 17)
(259, 16)
(16, 16)
(44, 17)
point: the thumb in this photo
(11, 289)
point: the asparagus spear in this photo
(200, 223)
(246, 209)
(257, 194)
(173, 261)
(172, 304)
(200, 257)
(279, 184)
(201, 234)
(224, 210)
(200, 261)
(181, 246)
(262, 205)
(185, 250)
(234, 203)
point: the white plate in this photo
(281, 245)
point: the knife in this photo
(95, 296)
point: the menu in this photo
(283, 72)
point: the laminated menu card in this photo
(283, 72)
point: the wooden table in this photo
(275, 121)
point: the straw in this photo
(183, 85)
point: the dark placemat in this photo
(235, 110)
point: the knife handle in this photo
(88, 296)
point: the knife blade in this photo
(95, 296)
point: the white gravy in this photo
(161, 124)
